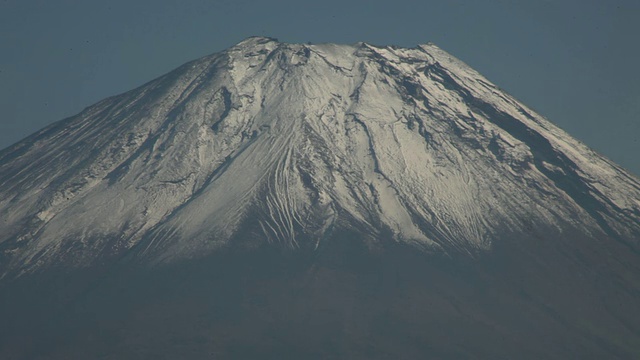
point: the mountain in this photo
(321, 201)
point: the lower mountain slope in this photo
(341, 301)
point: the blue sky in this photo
(575, 62)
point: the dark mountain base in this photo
(343, 301)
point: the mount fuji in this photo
(330, 201)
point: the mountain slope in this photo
(299, 140)
(316, 201)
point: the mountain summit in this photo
(292, 146)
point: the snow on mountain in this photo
(295, 142)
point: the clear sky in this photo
(574, 61)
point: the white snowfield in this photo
(296, 141)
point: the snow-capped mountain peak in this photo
(289, 143)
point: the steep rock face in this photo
(289, 143)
